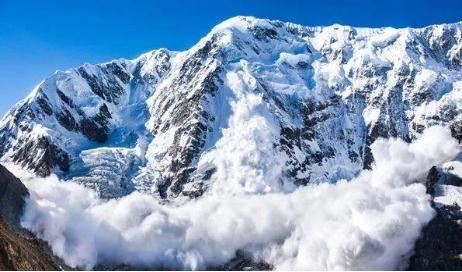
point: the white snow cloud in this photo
(369, 222)
(244, 157)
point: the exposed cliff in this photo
(19, 249)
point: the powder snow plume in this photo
(370, 222)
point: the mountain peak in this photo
(241, 23)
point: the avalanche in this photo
(369, 222)
(257, 139)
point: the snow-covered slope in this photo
(253, 101)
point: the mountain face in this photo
(306, 102)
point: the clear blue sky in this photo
(38, 37)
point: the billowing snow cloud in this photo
(245, 159)
(369, 222)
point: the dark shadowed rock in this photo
(50, 156)
(440, 245)
(243, 262)
(19, 249)
(12, 195)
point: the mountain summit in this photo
(263, 97)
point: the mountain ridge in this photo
(153, 123)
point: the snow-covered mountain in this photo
(253, 101)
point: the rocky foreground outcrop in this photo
(19, 250)
(440, 244)
(12, 195)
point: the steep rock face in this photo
(19, 250)
(12, 196)
(440, 247)
(312, 98)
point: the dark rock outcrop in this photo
(12, 195)
(22, 252)
(440, 246)
(49, 154)
(243, 262)
(19, 249)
